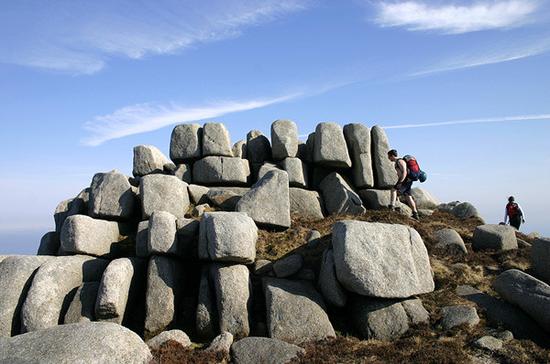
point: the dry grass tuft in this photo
(172, 352)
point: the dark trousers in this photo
(515, 221)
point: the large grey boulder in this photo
(186, 143)
(82, 307)
(297, 171)
(328, 284)
(82, 234)
(258, 148)
(73, 206)
(215, 140)
(216, 170)
(289, 265)
(16, 274)
(233, 296)
(184, 172)
(254, 350)
(495, 237)
(171, 335)
(330, 147)
(453, 316)
(381, 260)
(385, 175)
(52, 283)
(339, 197)
(359, 145)
(221, 343)
(540, 258)
(295, 311)
(114, 290)
(384, 319)
(112, 196)
(207, 314)
(306, 203)
(228, 236)
(465, 210)
(276, 213)
(381, 199)
(266, 167)
(450, 242)
(92, 342)
(163, 193)
(527, 292)
(423, 199)
(162, 237)
(149, 159)
(239, 149)
(163, 288)
(49, 244)
(284, 139)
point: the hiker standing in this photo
(405, 180)
(514, 213)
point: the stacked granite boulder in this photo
(174, 246)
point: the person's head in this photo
(511, 199)
(392, 155)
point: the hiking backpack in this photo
(413, 169)
(513, 209)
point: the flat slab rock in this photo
(495, 237)
(453, 316)
(93, 342)
(295, 311)
(381, 260)
(254, 350)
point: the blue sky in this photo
(83, 82)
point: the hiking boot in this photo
(415, 216)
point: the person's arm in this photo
(522, 213)
(505, 215)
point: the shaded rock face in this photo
(54, 280)
(297, 172)
(330, 147)
(228, 236)
(306, 203)
(359, 144)
(295, 311)
(258, 148)
(239, 149)
(385, 175)
(113, 291)
(527, 292)
(82, 307)
(49, 244)
(384, 319)
(540, 258)
(149, 159)
(112, 196)
(163, 193)
(495, 237)
(253, 350)
(207, 314)
(93, 342)
(381, 260)
(284, 139)
(216, 140)
(216, 170)
(339, 197)
(16, 275)
(275, 214)
(82, 234)
(186, 143)
(328, 284)
(233, 293)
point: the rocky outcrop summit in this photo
(262, 248)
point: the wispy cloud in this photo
(503, 119)
(146, 117)
(455, 19)
(487, 57)
(81, 37)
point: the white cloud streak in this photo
(455, 19)
(147, 117)
(80, 37)
(504, 119)
(501, 55)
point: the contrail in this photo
(504, 119)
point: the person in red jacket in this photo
(514, 213)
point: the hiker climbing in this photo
(408, 171)
(513, 213)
